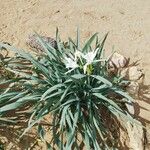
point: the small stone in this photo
(118, 61)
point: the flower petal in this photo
(90, 56)
(70, 63)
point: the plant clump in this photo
(73, 84)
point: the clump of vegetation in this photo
(73, 84)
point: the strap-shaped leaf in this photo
(41, 132)
(124, 94)
(78, 76)
(108, 101)
(89, 42)
(50, 90)
(78, 39)
(102, 79)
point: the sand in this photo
(127, 21)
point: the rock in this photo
(134, 73)
(133, 88)
(133, 138)
(118, 61)
(147, 145)
(124, 139)
(147, 95)
(136, 136)
(33, 42)
(118, 64)
(123, 73)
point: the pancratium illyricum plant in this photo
(72, 83)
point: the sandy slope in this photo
(128, 23)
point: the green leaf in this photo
(102, 79)
(48, 146)
(63, 116)
(30, 126)
(78, 39)
(54, 95)
(68, 120)
(50, 90)
(87, 140)
(110, 102)
(41, 132)
(72, 134)
(101, 87)
(124, 94)
(65, 93)
(78, 76)
(99, 53)
(88, 43)
(11, 106)
(29, 57)
(29, 98)
(46, 47)
(18, 103)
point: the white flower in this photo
(89, 57)
(77, 54)
(70, 63)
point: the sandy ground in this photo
(127, 21)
